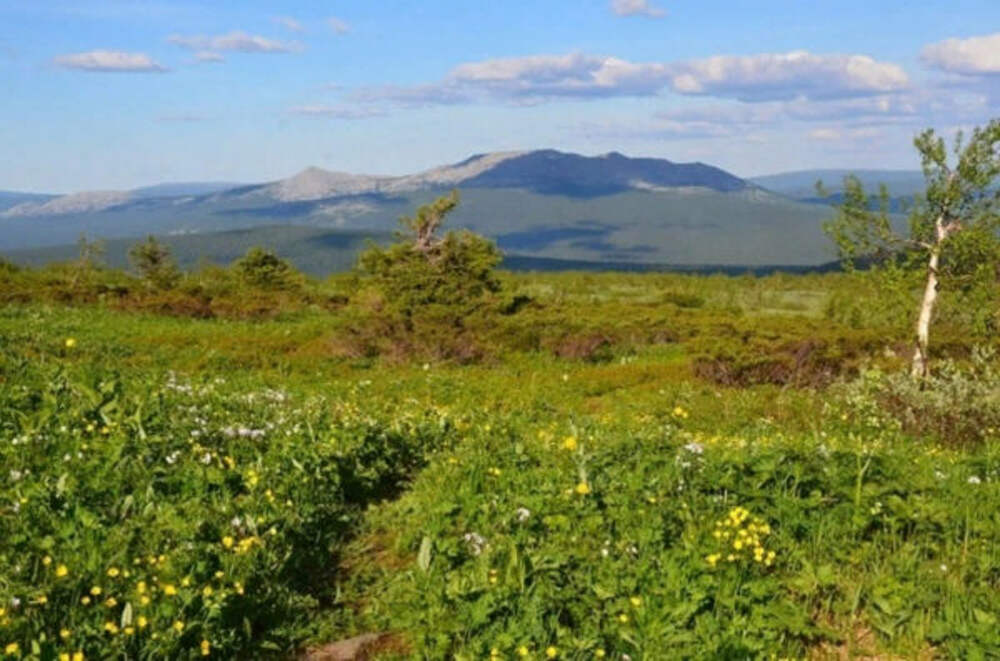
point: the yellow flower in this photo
(47, 560)
(239, 587)
(207, 591)
(523, 650)
(111, 602)
(599, 653)
(169, 590)
(129, 631)
(583, 488)
(64, 656)
(206, 648)
(141, 621)
(77, 656)
(227, 541)
(84, 600)
(551, 652)
(64, 633)
(636, 601)
(713, 559)
(70, 342)
(219, 574)
(144, 600)
(140, 587)
(113, 572)
(96, 590)
(12, 648)
(186, 581)
(111, 627)
(623, 618)
(178, 626)
(570, 443)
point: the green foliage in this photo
(262, 268)
(427, 275)
(155, 264)
(958, 405)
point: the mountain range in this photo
(541, 205)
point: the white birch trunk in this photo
(919, 367)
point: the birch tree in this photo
(952, 226)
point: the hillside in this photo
(544, 204)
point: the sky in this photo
(118, 94)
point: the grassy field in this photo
(640, 466)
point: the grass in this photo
(271, 493)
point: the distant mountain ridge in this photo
(541, 204)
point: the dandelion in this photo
(635, 601)
(12, 648)
(70, 342)
(84, 600)
(111, 627)
(141, 621)
(207, 591)
(551, 652)
(523, 651)
(169, 590)
(65, 633)
(599, 653)
(113, 572)
(178, 626)
(206, 648)
(583, 488)
(95, 591)
(570, 443)
(47, 560)
(227, 541)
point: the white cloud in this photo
(337, 112)
(828, 134)
(289, 23)
(770, 76)
(209, 56)
(236, 40)
(753, 78)
(109, 61)
(636, 8)
(337, 25)
(972, 56)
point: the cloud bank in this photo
(972, 56)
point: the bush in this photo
(155, 264)
(440, 279)
(955, 405)
(262, 268)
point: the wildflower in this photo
(207, 591)
(129, 631)
(96, 590)
(599, 653)
(12, 648)
(522, 514)
(169, 590)
(623, 618)
(551, 652)
(84, 600)
(523, 651)
(113, 572)
(140, 587)
(64, 656)
(974, 480)
(238, 587)
(636, 602)
(178, 626)
(111, 602)
(694, 448)
(111, 627)
(70, 342)
(47, 560)
(206, 648)
(583, 488)
(227, 541)
(570, 443)
(141, 621)
(62, 571)
(64, 633)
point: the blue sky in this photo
(123, 93)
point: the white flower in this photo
(475, 542)
(206, 458)
(974, 480)
(522, 514)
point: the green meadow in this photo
(594, 465)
